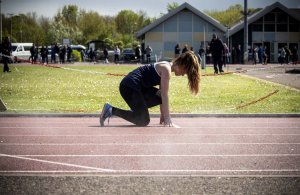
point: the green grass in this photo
(42, 89)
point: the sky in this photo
(153, 8)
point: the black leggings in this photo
(139, 101)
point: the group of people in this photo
(139, 54)
(260, 55)
(285, 55)
(216, 49)
(62, 52)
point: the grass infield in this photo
(84, 89)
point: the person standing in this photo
(52, 54)
(138, 53)
(287, 54)
(33, 54)
(91, 54)
(177, 50)
(282, 54)
(294, 55)
(239, 54)
(148, 52)
(255, 55)
(69, 53)
(82, 55)
(185, 49)
(202, 55)
(259, 53)
(105, 53)
(225, 54)
(62, 54)
(233, 55)
(217, 49)
(117, 54)
(265, 55)
(6, 51)
(43, 54)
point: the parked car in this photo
(98, 47)
(78, 47)
(128, 54)
(21, 51)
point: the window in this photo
(282, 28)
(27, 48)
(282, 18)
(270, 17)
(293, 20)
(257, 27)
(269, 27)
(294, 28)
(260, 20)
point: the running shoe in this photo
(106, 113)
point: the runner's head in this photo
(188, 63)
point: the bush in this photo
(76, 56)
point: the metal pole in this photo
(228, 36)
(228, 56)
(204, 47)
(11, 15)
(245, 31)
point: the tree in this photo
(172, 6)
(126, 22)
(230, 16)
(69, 13)
(92, 26)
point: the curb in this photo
(176, 115)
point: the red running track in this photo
(201, 146)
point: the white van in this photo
(21, 51)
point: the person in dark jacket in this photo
(295, 55)
(185, 49)
(138, 53)
(217, 48)
(6, 51)
(105, 53)
(177, 50)
(69, 53)
(239, 54)
(33, 51)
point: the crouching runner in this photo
(137, 89)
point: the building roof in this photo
(239, 26)
(183, 6)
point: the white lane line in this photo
(159, 171)
(132, 127)
(136, 144)
(176, 126)
(154, 135)
(162, 155)
(57, 163)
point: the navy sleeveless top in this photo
(142, 77)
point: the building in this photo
(184, 25)
(275, 26)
